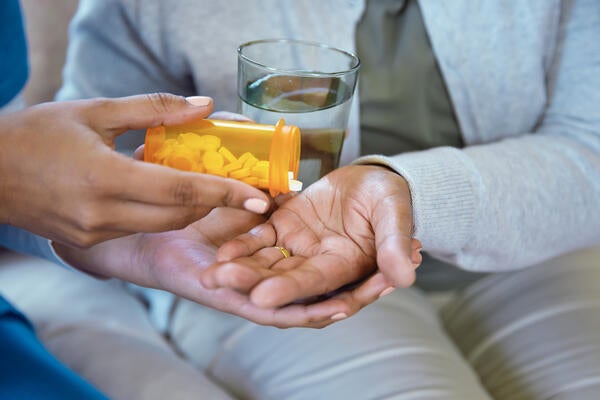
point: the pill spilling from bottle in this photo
(204, 153)
(264, 156)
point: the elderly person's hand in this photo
(61, 178)
(174, 260)
(353, 224)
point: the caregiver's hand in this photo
(61, 178)
(174, 260)
(340, 230)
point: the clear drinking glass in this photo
(309, 85)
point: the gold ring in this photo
(284, 251)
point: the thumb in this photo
(145, 111)
(138, 154)
(394, 245)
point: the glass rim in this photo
(296, 72)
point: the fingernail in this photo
(256, 230)
(256, 205)
(419, 249)
(338, 316)
(200, 101)
(386, 291)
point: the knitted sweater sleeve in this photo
(515, 202)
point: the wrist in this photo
(77, 259)
(121, 258)
(4, 171)
(14, 151)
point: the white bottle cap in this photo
(295, 185)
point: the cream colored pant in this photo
(533, 334)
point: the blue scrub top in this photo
(14, 67)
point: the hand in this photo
(174, 260)
(61, 178)
(339, 231)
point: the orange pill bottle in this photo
(264, 156)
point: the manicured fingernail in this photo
(256, 205)
(386, 291)
(201, 101)
(338, 316)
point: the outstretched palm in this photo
(173, 261)
(339, 231)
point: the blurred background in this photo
(47, 24)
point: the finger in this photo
(146, 111)
(155, 184)
(244, 273)
(138, 154)
(416, 256)
(355, 299)
(392, 226)
(367, 292)
(134, 217)
(260, 236)
(350, 302)
(231, 276)
(184, 281)
(223, 223)
(281, 198)
(316, 315)
(316, 276)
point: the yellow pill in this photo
(262, 164)
(245, 156)
(250, 162)
(180, 162)
(229, 157)
(216, 171)
(161, 154)
(184, 151)
(260, 169)
(164, 151)
(233, 166)
(213, 160)
(251, 180)
(190, 139)
(263, 183)
(240, 173)
(210, 142)
(199, 168)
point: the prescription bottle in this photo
(264, 156)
